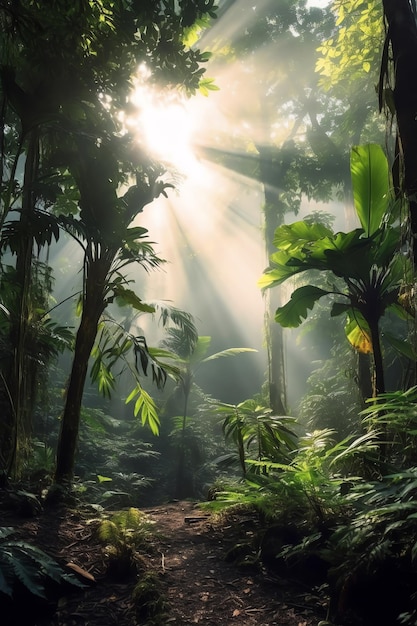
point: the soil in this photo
(187, 553)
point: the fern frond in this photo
(24, 569)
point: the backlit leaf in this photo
(302, 300)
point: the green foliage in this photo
(378, 539)
(332, 399)
(367, 260)
(24, 563)
(128, 528)
(123, 534)
(113, 449)
(80, 160)
(305, 490)
(395, 415)
(351, 56)
(146, 407)
(255, 432)
(42, 458)
(190, 358)
(370, 176)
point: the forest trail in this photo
(203, 588)
(186, 554)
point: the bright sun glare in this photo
(163, 123)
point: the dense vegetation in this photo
(90, 409)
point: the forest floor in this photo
(186, 551)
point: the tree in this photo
(64, 97)
(190, 357)
(398, 88)
(257, 434)
(297, 132)
(367, 260)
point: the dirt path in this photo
(187, 554)
(202, 588)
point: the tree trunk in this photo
(93, 307)
(379, 378)
(402, 32)
(181, 489)
(365, 380)
(22, 371)
(273, 217)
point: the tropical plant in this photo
(255, 432)
(44, 341)
(123, 534)
(77, 156)
(309, 490)
(395, 414)
(367, 260)
(22, 563)
(372, 554)
(149, 600)
(332, 400)
(190, 358)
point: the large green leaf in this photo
(228, 352)
(283, 266)
(291, 237)
(200, 349)
(302, 300)
(386, 242)
(370, 181)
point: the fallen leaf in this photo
(82, 572)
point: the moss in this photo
(149, 601)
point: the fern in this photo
(123, 533)
(125, 529)
(29, 565)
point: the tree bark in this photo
(402, 33)
(22, 372)
(273, 217)
(379, 378)
(93, 307)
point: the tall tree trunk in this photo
(273, 217)
(402, 32)
(182, 490)
(17, 422)
(93, 307)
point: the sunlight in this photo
(209, 229)
(164, 123)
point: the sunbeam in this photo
(210, 229)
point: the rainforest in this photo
(208, 385)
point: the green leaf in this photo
(302, 300)
(228, 352)
(291, 237)
(370, 181)
(207, 84)
(146, 407)
(103, 479)
(282, 268)
(200, 349)
(128, 296)
(401, 346)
